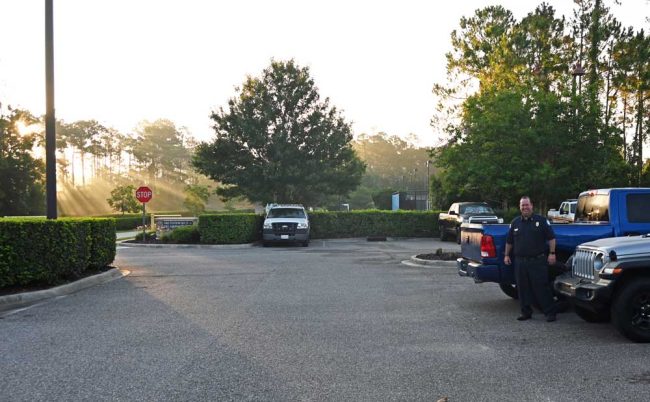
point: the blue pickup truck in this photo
(600, 213)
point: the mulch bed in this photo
(439, 256)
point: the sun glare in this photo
(28, 129)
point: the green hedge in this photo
(230, 228)
(130, 221)
(39, 251)
(182, 235)
(326, 225)
(149, 235)
(247, 228)
(103, 239)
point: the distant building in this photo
(410, 200)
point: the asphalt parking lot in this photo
(339, 320)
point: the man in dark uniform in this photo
(527, 237)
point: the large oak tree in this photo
(279, 142)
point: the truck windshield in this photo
(286, 213)
(593, 208)
(476, 209)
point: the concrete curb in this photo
(414, 261)
(123, 243)
(18, 300)
(231, 246)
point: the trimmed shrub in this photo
(230, 228)
(130, 221)
(39, 251)
(102, 252)
(148, 235)
(182, 235)
(246, 228)
(373, 223)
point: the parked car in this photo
(285, 223)
(464, 212)
(610, 278)
(600, 213)
(565, 214)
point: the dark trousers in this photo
(533, 285)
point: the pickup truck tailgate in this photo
(470, 241)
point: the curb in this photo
(172, 245)
(413, 261)
(123, 243)
(17, 300)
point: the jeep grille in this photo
(583, 263)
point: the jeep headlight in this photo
(599, 262)
(302, 225)
(267, 225)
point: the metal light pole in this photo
(576, 71)
(428, 186)
(50, 133)
(579, 72)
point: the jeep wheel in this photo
(443, 233)
(631, 310)
(510, 290)
(592, 316)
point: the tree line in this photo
(544, 106)
(276, 142)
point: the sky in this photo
(124, 61)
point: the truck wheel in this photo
(457, 235)
(592, 316)
(510, 290)
(443, 233)
(305, 243)
(631, 310)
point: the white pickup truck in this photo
(565, 214)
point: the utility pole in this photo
(428, 186)
(50, 127)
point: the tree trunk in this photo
(83, 169)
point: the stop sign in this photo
(143, 194)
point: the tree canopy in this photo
(550, 112)
(392, 162)
(279, 142)
(21, 175)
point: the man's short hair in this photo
(525, 197)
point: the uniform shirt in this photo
(529, 235)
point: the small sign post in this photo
(143, 194)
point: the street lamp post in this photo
(428, 186)
(50, 133)
(576, 71)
